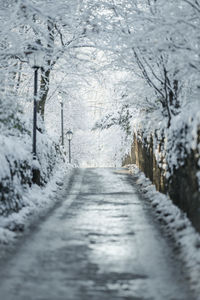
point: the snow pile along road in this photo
(37, 202)
(176, 225)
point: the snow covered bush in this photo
(17, 160)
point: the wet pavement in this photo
(101, 242)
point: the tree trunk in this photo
(44, 89)
(45, 72)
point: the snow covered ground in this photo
(37, 202)
(176, 225)
(101, 242)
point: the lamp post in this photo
(69, 137)
(35, 56)
(62, 124)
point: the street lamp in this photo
(62, 124)
(69, 137)
(35, 56)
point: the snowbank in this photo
(36, 203)
(17, 164)
(176, 225)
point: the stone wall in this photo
(182, 186)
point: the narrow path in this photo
(100, 243)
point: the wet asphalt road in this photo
(100, 243)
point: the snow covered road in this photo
(100, 243)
